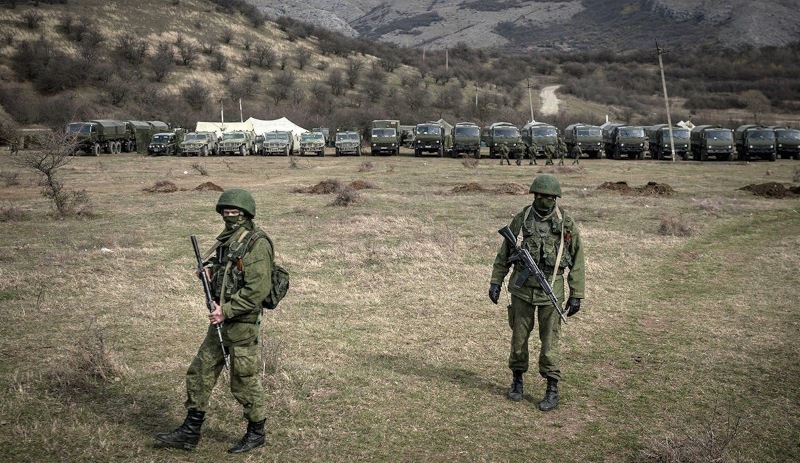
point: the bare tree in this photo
(354, 67)
(55, 153)
(303, 57)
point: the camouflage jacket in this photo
(542, 239)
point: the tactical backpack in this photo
(280, 276)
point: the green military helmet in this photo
(547, 185)
(239, 199)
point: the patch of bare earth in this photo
(651, 189)
(772, 190)
(208, 186)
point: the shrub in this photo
(674, 225)
(32, 19)
(348, 196)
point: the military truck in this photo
(430, 138)
(94, 136)
(279, 142)
(620, 139)
(588, 137)
(755, 141)
(348, 142)
(660, 147)
(238, 143)
(504, 132)
(711, 140)
(466, 139)
(384, 136)
(788, 142)
(199, 144)
(539, 133)
(384, 140)
(312, 142)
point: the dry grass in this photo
(386, 347)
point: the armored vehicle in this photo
(620, 139)
(326, 133)
(348, 142)
(164, 144)
(312, 142)
(279, 142)
(788, 142)
(660, 148)
(430, 138)
(99, 135)
(504, 132)
(466, 139)
(384, 141)
(588, 137)
(238, 143)
(711, 140)
(199, 144)
(538, 133)
(755, 141)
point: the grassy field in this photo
(387, 347)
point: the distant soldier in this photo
(519, 155)
(577, 152)
(562, 151)
(549, 151)
(14, 146)
(503, 150)
(532, 152)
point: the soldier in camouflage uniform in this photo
(552, 238)
(532, 151)
(242, 264)
(503, 150)
(549, 151)
(577, 152)
(562, 151)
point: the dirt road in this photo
(549, 100)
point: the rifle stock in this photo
(529, 269)
(201, 270)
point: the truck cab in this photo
(755, 142)
(504, 132)
(466, 139)
(588, 137)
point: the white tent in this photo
(261, 127)
(219, 127)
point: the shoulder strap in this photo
(225, 274)
(560, 247)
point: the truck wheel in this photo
(371, 152)
(286, 151)
(441, 151)
(358, 151)
(95, 150)
(336, 152)
(417, 153)
(322, 153)
(241, 151)
(204, 151)
(772, 157)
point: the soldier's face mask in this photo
(543, 204)
(232, 218)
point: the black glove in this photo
(494, 292)
(573, 306)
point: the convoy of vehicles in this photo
(788, 142)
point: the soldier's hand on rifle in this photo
(494, 292)
(573, 306)
(216, 317)
(208, 273)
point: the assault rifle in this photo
(201, 270)
(523, 256)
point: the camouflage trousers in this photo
(246, 384)
(521, 316)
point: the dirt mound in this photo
(651, 189)
(772, 190)
(511, 188)
(471, 187)
(363, 185)
(322, 188)
(162, 186)
(208, 186)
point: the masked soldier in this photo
(533, 149)
(577, 152)
(240, 273)
(549, 151)
(562, 151)
(552, 238)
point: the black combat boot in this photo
(550, 400)
(254, 437)
(187, 435)
(515, 393)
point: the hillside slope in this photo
(563, 25)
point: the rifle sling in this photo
(561, 244)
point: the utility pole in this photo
(476, 97)
(446, 59)
(659, 52)
(530, 98)
(423, 55)
(222, 114)
(241, 116)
